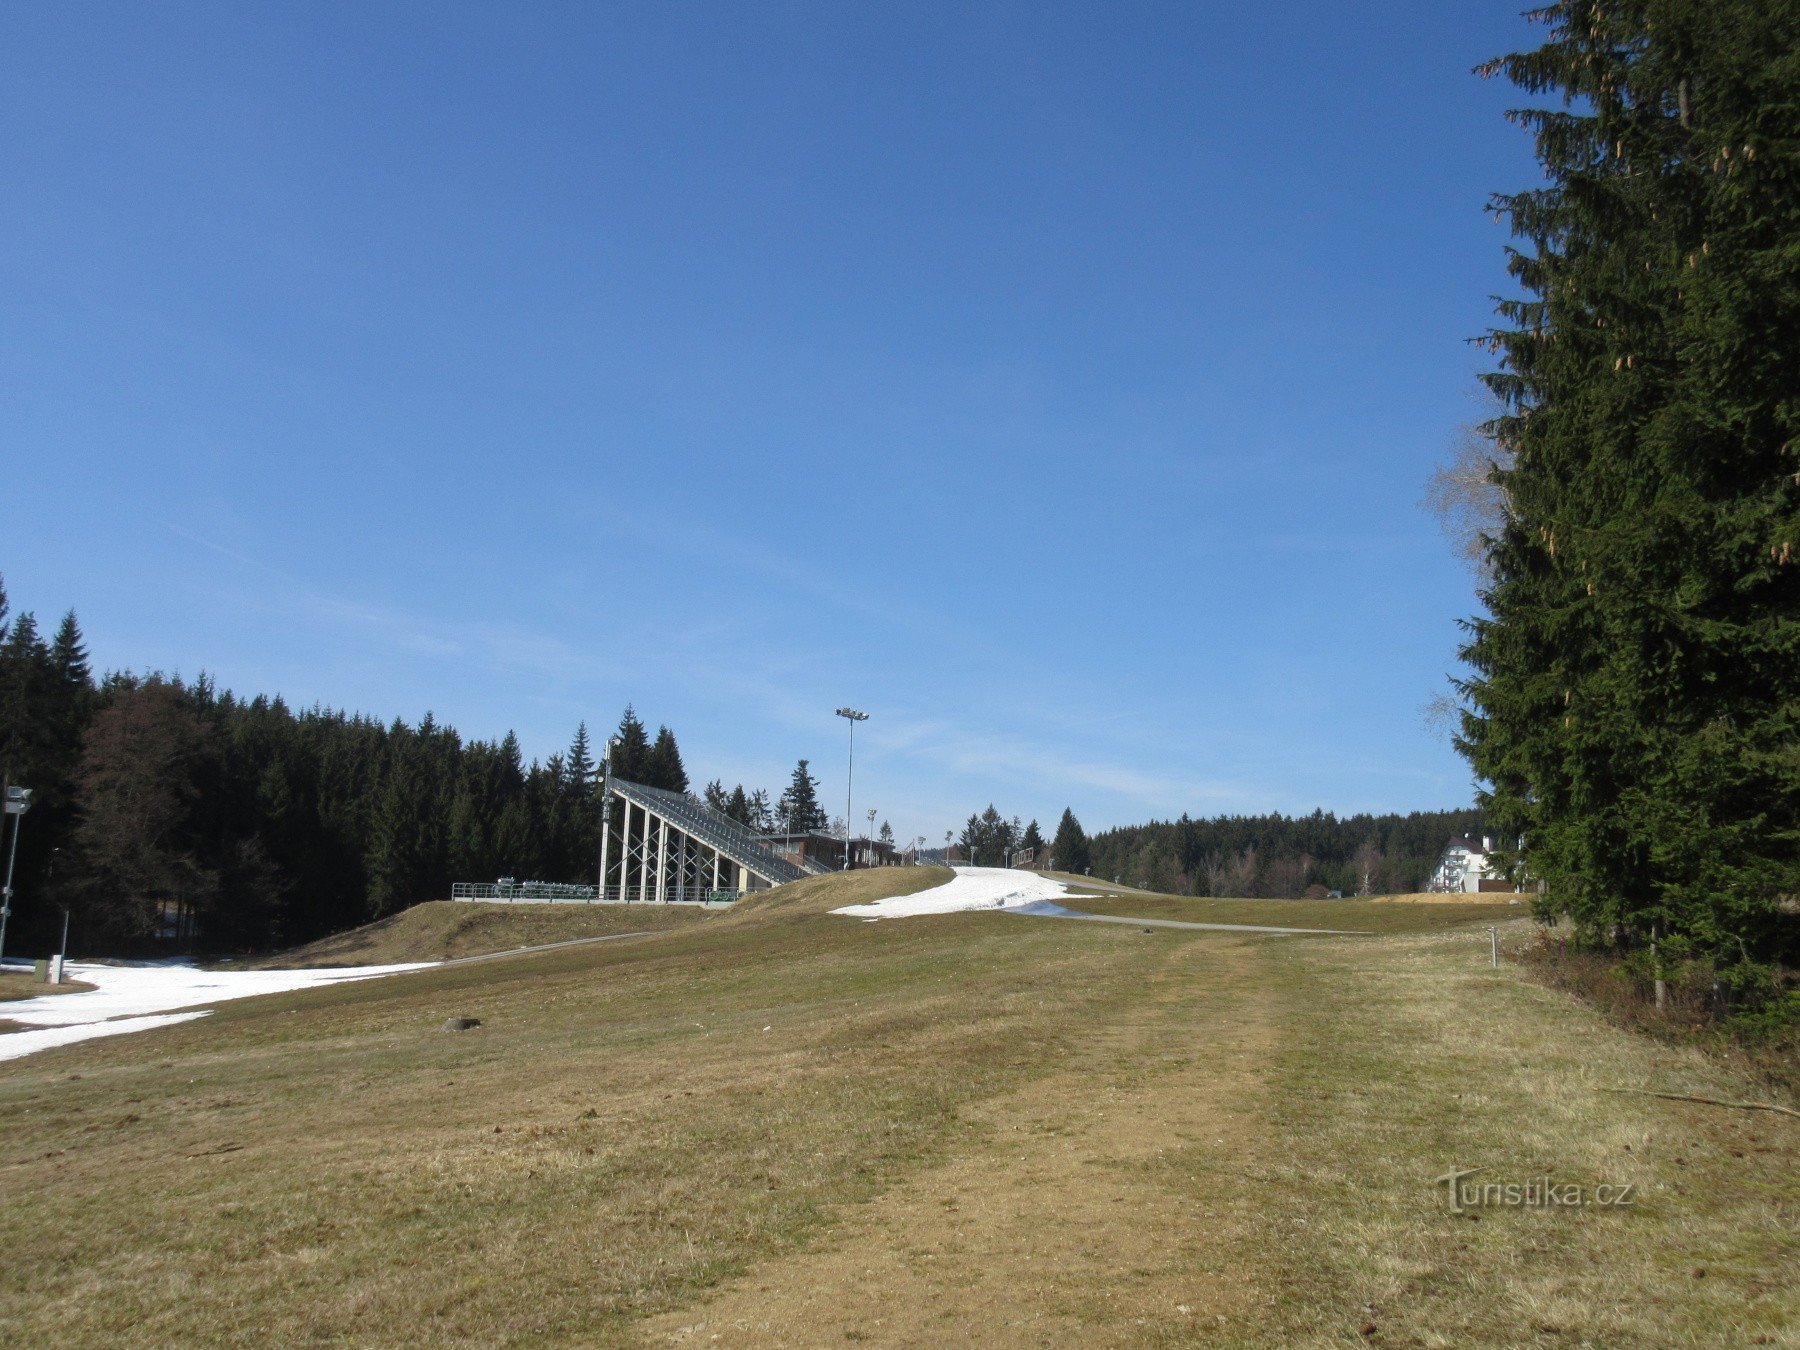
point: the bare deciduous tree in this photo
(1469, 505)
(1368, 865)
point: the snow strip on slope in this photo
(136, 994)
(18, 1044)
(971, 888)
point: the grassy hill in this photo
(442, 930)
(782, 1126)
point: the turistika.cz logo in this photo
(1536, 1193)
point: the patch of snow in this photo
(18, 1044)
(132, 997)
(971, 888)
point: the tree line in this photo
(1272, 856)
(165, 807)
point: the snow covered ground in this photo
(1027, 893)
(972, 888)
(140, 997)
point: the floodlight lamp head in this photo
(853, 714)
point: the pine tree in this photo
(397, 854)
(1636, 673)
(137, 847)
(69, 656)
(887, 834)
(666, 769)
(1069, 850)
(759, 815)
(799, 810)
(631, 754)
(970, 839)
(1032, 839)
(737, 806)
(578, 765)
(29, 693)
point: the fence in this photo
(554, 893)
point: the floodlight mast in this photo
(606, 818)
(853, 716)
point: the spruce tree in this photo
(578, 765)
(397, 857)
(758, 814)
(799, 810)
(737, 806)
(665, 768)
(1636, 674)
(1069, 850)
(631, 755)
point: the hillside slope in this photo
(781, 1126)
(441, 930)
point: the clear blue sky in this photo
(1056, 382)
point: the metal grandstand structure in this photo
(672, 848)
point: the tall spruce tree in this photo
(1031, 839)
(666, 770)
(1069, 850)
(737, 806)
(1635, 695)
(631, 754)
(799, 809)
(578, 764)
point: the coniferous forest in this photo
(1273, 857)
(243, 823)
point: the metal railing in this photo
(532, 892)
(591, 895)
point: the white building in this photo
(1464, 866)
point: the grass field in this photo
(1373, 916)
(778, 1126)
(442, 930)
(17, 984)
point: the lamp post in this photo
(948, 836)
(869, 838)
(853, 717)
(606, 819)
(18, 802)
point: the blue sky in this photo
(1056, 382)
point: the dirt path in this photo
(1057, 1222)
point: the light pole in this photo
(853, 716)
(869, 839)
(18, 802)
(948, 836)
(606, 819)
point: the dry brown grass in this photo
(796, 1128)
(1369, 916)
(18, 984)
(1520, 904)
(442, 930)
(1397, 1070)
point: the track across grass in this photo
(783, 1126)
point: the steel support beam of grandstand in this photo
(670, 846)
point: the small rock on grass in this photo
(461, 1023)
